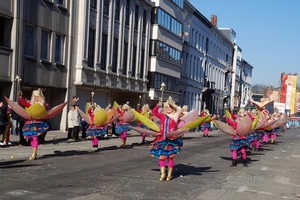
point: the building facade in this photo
(134, 51)
(111, 48)
(35, 50)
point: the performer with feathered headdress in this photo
(164, 147)
(35, 113)
(123, 123)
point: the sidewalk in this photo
(57, 141)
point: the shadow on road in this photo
(14, 164)
(185, 170)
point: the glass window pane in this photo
(29, 41)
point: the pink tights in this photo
(255, 143)
(243, 152)
(143, 137)
(205, 132)
(161, 163)
(123, 135)
(95, 142)
(266, 138)
(34, 142)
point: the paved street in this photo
(72, 171)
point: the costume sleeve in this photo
(156, 113)
(24, 103)
(252, 118)
(232, 123)
(233, 116)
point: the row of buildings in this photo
(133, 51)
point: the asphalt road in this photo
(202, 171)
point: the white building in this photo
(207, 57)
(111, 48)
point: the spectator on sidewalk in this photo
(76, 122)
(4, 123)
(71, 116)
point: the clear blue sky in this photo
(268, 31)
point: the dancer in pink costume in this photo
(239, 142)
(205, 125)
(254, 134)
(146, 112)
(122, 126)
(94, 131)
(275, 116)
(35, 115)
(164, 147)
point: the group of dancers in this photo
(248, 130)
(165, 122)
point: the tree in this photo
(258, 88)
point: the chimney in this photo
(214, 19)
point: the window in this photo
(133, 61)
(103, 51)
(136, 17)
(165, 52)
(115, 55)
(179, 3)
(45, 45)
(60, 2)
(127, 13)
(105, 7)
(167, 21)
(59, 49)
(125, 55)
(155, 80)
(29, 41)
(144, 21)
(142, 64)
(5, 32)
(117, 9)
(91, 50)
(93, 4)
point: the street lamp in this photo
(162, 88)
(92, 94)
(18, 87)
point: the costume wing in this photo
(225, 128)
(190, 116)
(260, 124)
(86, 118)
(115, 105)
(128, 116)
(146, 121)
(55, 110)
(244, 126)
(195, 123)
(261, 106)
(255, 121)
(177, 133)
(109, 114)
(279, 122)
(18, 109)
(267, 126)
(111, 117)
(228, 114)
(145, 131)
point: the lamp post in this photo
(140, 98)
(18, 80)
(92, 95)
(162, 88)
